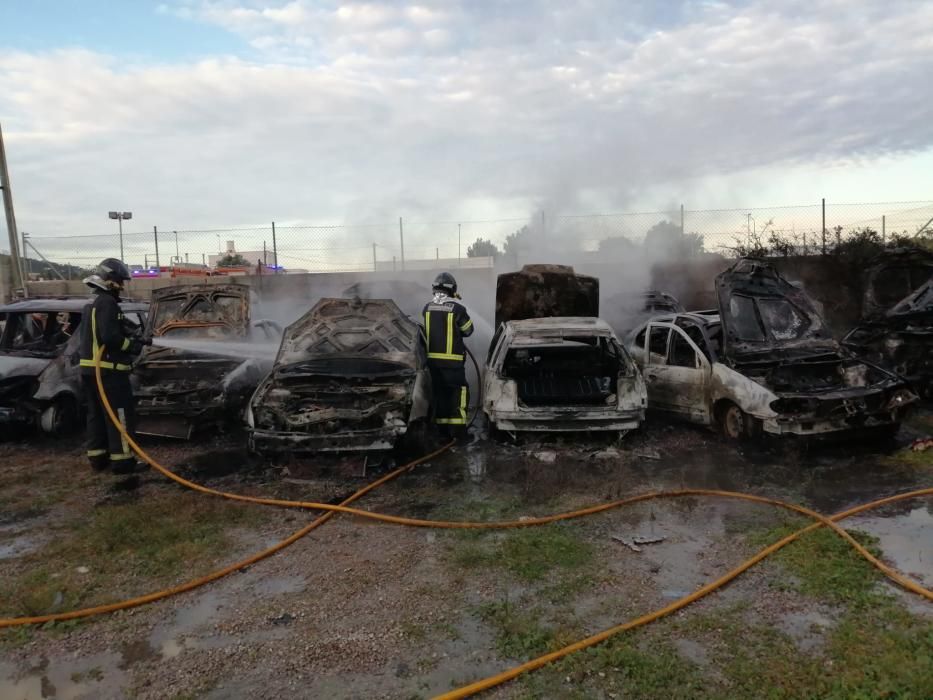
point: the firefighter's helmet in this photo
(110, 274)
(446, 283)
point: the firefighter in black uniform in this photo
(103, 324)
(446, 324)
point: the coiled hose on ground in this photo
(485, 684)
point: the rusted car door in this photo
(677, 373)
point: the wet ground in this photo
(359, 609)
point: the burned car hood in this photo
(917, 304)
(544, 291)
(893, 278)
(765, 315)
(362, 337)
(202, 311)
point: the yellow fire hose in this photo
(820, 520)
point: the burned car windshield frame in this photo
(755, 324)
(341, 366)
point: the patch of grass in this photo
(619, 667)
(826, 565)
(519, 633)
(528, 553)
(141, 545)
(910, 458)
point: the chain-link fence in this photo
(403, 244)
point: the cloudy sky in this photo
(209, 113)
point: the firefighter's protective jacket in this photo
(103, 323)
(446, 324)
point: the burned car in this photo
(557, 373)
(898, 333)
(350, 376)
(40, 381)
(764, 363)
(182, 385)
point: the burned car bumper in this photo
(565, 421)
(274, 442)
(878, 411)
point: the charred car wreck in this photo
(897, 331)
(350, 376)
(180, 390)
(39, 378)
(764, 364)
(565, 372)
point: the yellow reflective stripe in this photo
(115, 458)
(463, 403)
(427, 330)
(451, 421)
(450, 333)
(90, 363)
(443, 356)
(106, 365)
(466, 326)
(126, 344)
(96, 453)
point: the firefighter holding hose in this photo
(446, 324)
(103, 324)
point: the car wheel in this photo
(60, 418)
(734, 422)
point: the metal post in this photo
(120, 222)
(681, 219)
(401, 238)
(155, 233)
(393, 264)
(458, 245)
(824, 225)
(437, 253)
(375, 267)
(27, 266)
(265, 259)
(543, 225)
(883, 228)
(204, 259)
(177, 256)
(275, 250)
(16, 270)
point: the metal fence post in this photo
(681, 219)
(275, 250)
(375, 266)
(824, 225)
(401, 238)
(882, 228)
(155, 233)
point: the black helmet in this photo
(445, 282)
(113, 270)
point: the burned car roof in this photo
(919, 301)
(761, 311)
(352, 328)
(69, 304)
(541, 291)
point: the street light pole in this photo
(120, 216)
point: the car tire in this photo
(734, 423)
(60, 418)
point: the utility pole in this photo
(16, 280)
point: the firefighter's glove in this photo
(136, 346)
